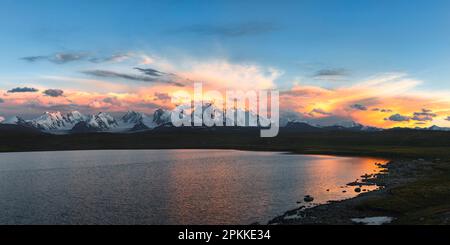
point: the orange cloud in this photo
(377, 98)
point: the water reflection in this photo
(167, 186)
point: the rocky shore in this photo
(395, 174)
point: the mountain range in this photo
(74, 121)
(132, 121)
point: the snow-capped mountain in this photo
(75, 117)
(136, 121)
(99, 122)
(130, 121)
(437, 128)
(161, 117)
(102, 120)
(51, 121)
(229, 116)
(12, 120)
(74, 121)
(352, 125)
(18, 121)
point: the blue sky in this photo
(343, 41)
(363, 37)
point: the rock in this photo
(344, 191)
(357, 189)
(308, 198)
(328, 189)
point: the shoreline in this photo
(399, 174)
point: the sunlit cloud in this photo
(367, 102)
(145, 82)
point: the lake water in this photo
(167, 186)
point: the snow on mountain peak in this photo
(437, 128)
(75, 117)
(102, 121)
(11, 120)
(161, 116)
(132, 117)
(49, 121)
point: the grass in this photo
(425, 201)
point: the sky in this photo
(379, 63)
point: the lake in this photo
(168, 186)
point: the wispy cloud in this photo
(58, 58)
(151, 72)
(424, 115)
(331, 74)
(68, 57)
(23, 90)
(317, 111)
(111, 58)
(112, 101)
(162, 96)
(129, 76)
(381, 110)
(358, 107)
(230, 29)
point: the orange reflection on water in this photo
(221, 186)
(210, 186)
(327, 177)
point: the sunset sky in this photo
(379, 63)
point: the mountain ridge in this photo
(132, 121)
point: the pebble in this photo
(308, 198)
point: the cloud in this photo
(2, 100)
(133, 77)
(317, 111)
(381, 110)
(150, 72)
(359, 107)
(448, 118)
(2, 119)
(112, 101)
(162, 96)
(66, 57)
(112, 58)
(58, 58)
(230, 30)
(34, 58)
(424, 115)
(398, 118)
(221, 74)
(22, 90)
(53, 92)
(331, 74)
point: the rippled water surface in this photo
(167, 186)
